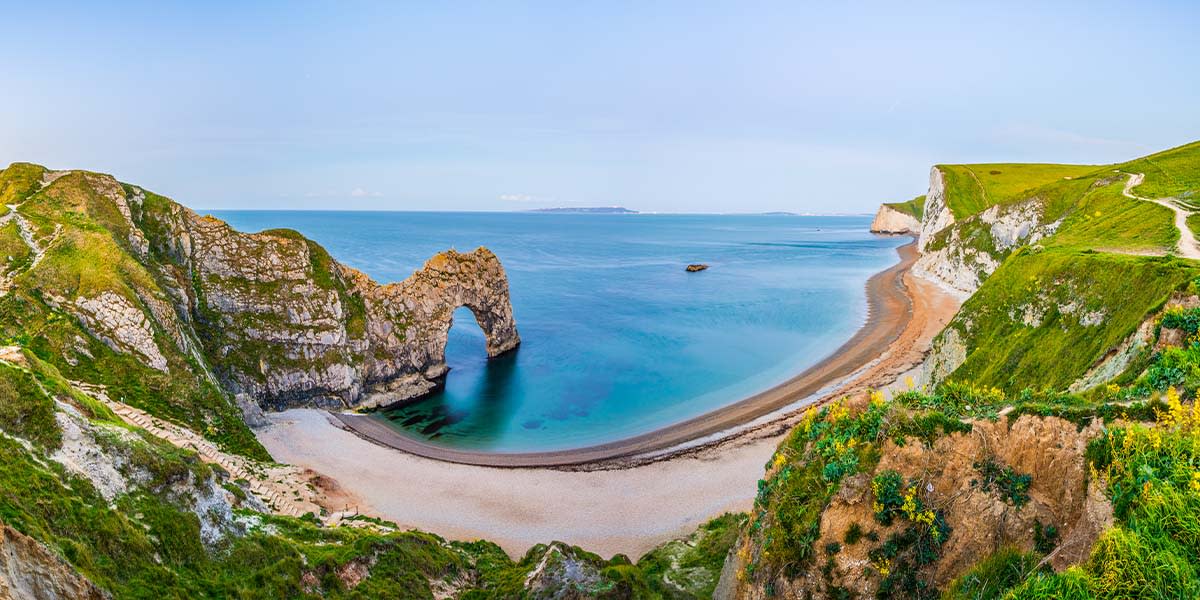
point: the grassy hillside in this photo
(971, 189)
(87, 252)
(1043, 318)
(1102, 218)
(176, 527)
(1091, 259)
(1173, 173)
(914, 208)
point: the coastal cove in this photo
(890, 310)
(618, 340)
(622, 506)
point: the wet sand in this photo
(890, 309)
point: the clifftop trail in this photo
(1187, 246)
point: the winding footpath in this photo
(1187, 246)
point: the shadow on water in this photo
(477, 401)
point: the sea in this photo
(617, 338)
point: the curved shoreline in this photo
(889, 308)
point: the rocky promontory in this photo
(284, 322)
(270, 315)
(890, 220)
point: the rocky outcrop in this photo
(121, 325)
(964, 253)
(283, 322)
(269, 315)
(30, 571)
(937, 213)
(891, 221)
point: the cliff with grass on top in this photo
(177, 312)
(1049, 449)
(140, 338)
(899, 217)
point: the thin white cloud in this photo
(1026, 133)
(359, 192)
(521, 198)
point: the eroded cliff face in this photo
(30, 571)
(960, 254)
(945, 474)
(890, 220)
(285, 323)
(269, 315)
(937, 213)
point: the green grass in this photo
(1118, 290)
(971, 189)
(18, 181)
(13, 250)
(1104, 219)
(695, 563)
(914, 208)
(993, 576)
(26, 410)
(1171, 173)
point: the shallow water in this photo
(617, 339)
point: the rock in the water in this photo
(696, 267)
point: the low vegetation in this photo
(971, 189)
(914, 208)
(1044, 318)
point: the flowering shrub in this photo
(956, 400)
(1153, 477)
(918, 544)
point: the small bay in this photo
(618, 339)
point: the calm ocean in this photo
(617, 339)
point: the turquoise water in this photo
(617, 339)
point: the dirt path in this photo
(25, 230)
(1187, 246)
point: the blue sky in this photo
(659, 106)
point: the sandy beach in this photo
(890, 309)
(623, 498)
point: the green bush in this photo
(1012, 487)
(993, 576)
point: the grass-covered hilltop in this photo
(1048, 447)
(141, 342)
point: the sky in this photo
(658, 106)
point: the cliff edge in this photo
(188, 302)
(899, 217)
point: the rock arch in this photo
(448, 281)
(408, 323)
